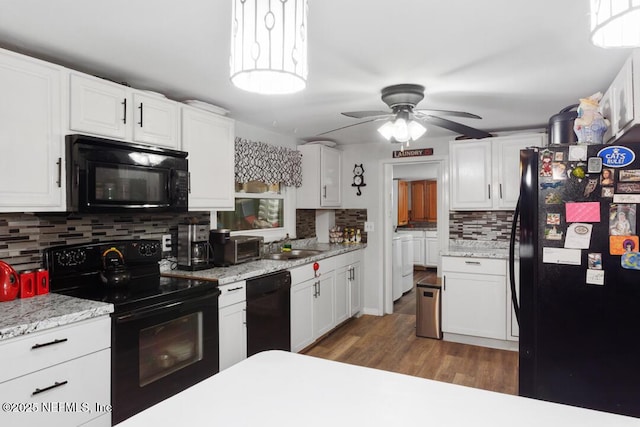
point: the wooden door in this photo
(403, 203)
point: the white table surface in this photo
(277, 388)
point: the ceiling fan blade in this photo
(456, 127)
(363, 114)
(461, 114)
(347, 126)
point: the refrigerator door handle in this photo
(512, 274)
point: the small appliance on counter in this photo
(193, 247)
(9, 282)
(229, 250)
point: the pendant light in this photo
(269, 45)
(402, 129)
(615, 23)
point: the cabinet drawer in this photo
(306, 272)
(36, 351)
(84, 396)
(474, 265)
(232, 293)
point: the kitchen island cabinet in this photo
(32, 170)
(209, 140)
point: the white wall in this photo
(371, 156)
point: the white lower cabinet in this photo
(432, 251)
(232, 318)
(59, 377)
(474, 297)
(513, 329)
(320, 302)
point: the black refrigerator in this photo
(579, 302)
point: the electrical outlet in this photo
(368, 226)
(166, 242)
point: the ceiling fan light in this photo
(401, 130)
(416, 130)
(615, 23)
(269, 46)
(387, 130)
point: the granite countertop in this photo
(24, 316)
(478, 249)
(235, 273)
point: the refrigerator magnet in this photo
(622, 219)
(578, 236)
(592, 183)
(628, 187)
(552, 233)
(629, 175)
(558, 156)
(630, 260)
(594, 165)
(552, 199)
(553, 219)
(558, 170)
(607, 177)
(582, 211)
(545, 163)
(607, 192)
(594, 261)
(618, 245)
(577, 152)
(595, 277)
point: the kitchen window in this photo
(257, 206)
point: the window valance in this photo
(258, 161)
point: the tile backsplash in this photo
(306, 221)
(23, 236)
(480, 225)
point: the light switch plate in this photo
(166, 242)
(368, 226)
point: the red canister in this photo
(42, 281)
(27, 283)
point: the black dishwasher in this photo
(269, 312)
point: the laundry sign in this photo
(413, 153)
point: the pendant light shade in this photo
(402, 129)
(615, 23)
(269, 45)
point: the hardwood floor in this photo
(390, 343)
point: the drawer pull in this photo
(55, 385)
(472, 262)
(234, 289)
(37, 346)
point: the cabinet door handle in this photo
(324, 189)
(500, 188)
(37, 346)
(318, 288)
(124, 115)
(55, 385)
(472, 262)
(234, 289)
(489, 186)
(76, 175)
(444, 283)
(140, 108)
(59, 163)
(189, 182)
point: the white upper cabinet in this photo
(471, 174)
(103, 108)
(98, 107)
(31, 138)
(209, 140)
(617, 104)
(485, 173)
(321, 177)
(155, 120)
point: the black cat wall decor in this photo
(358, 178)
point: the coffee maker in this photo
(193, 247)
(219, 239)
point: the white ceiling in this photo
(513, 62)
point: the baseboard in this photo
(482, 342)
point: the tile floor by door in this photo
(389, 342)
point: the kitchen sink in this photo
(293, 254)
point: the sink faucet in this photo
(276, 245)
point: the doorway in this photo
(437, 167)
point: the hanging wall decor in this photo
(358, 178)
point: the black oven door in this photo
(160, 351)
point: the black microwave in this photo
(111, 176)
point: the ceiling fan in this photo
(402, 100)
